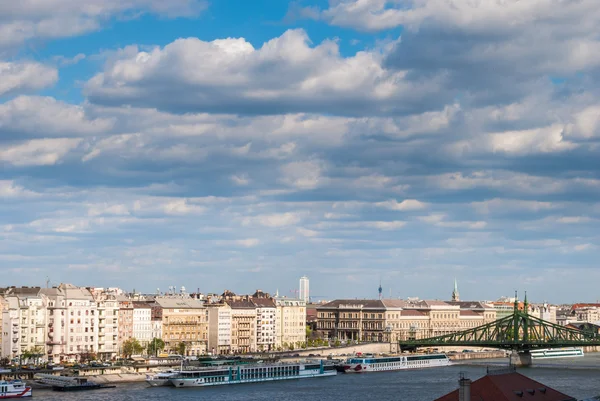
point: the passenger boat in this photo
(385, 364)
(161, 378)
(556, 353)
(66, 383)
(14, 389)
(251, 374)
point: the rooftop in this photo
(510, 386)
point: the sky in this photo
(243, 144)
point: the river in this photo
(578, 377)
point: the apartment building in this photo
(24, 322)
(107, 305)
(142, 322)
(265, 323)
(290, 321)
(125, 331)
(243, 325)
(184, 320)
(219, 328)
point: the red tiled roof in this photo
(509, 387)
(577, 306)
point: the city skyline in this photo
(243, 145)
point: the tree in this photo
(181, 347)
(4, 361)
(87, 357)
(155, 346)
(132, 347)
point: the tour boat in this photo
(556, 353)
(385, 364)
(251, 374)
(161, 378)
(69, 383)
(14, 389)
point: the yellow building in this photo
(184, 320)
(290, 321)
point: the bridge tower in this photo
(520, 355)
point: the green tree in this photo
(132, 347)
(155, 346)
(181, 347)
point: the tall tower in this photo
(455, 294)
(380, 290)
(304, 289)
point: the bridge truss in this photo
(519, 331)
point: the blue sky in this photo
(242, 145)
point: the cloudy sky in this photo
(243, 144)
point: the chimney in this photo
(464, 389)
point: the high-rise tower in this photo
(455, 294)
(304, 289)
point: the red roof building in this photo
(505, 386)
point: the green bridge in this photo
(519, 332)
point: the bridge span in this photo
(519, 333)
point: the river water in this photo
(577, 377)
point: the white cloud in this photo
(274, 220)
(8, 189)
(182, 207)
(230, 75)
(498, 205)
(38, 152)
(25, 77)
(248, 242)
(303, 175)
(35, 116)
(27, 19)
(405, 205)
(306, 232)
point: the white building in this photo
(83, 323)
(265, 323)
(24, 323)
(142, 322)
(304, 293)
(156, 326)
(219, 328)
(108, 322)
(290, 321)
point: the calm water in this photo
(578, 377)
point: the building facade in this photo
(219, 328)
(184, 323)
(304, 289)
(290, 322)
(243, 326)
(265, 323)
(142, 322)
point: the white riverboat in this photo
(255, 373)
(385, 364)
(14, 389)
(161, 379)
(549, 353)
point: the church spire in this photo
(455, 294)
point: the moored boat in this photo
(14, 389)
(385, 364)
(161, 378)
(67, 383)
(550, 353)
(251, 374)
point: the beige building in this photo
(184, 320)
(290, 321)
(125, 330)
(243, 325)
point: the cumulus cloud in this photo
(28, 19)
(285, 75)
(25, 77)
(38, 152)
